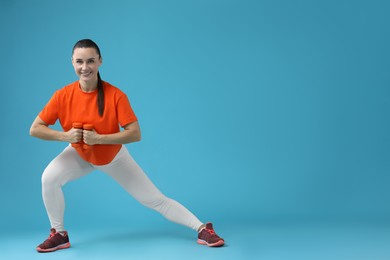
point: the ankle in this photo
(203, 226)
(63, 233)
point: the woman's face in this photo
(86, 63)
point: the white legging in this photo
(68, 166)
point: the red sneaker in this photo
(55, 241)
(207, 236)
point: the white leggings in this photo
(68, 166)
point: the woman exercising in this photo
(90, 111)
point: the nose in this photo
(84, 66)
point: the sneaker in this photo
(55, 241)
(207, 236)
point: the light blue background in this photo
(251, 111)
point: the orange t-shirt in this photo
(70, 105)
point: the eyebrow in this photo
(87, 59)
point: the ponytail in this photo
(100, 98)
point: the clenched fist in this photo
(74, 135)
(90, 137)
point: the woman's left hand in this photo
(91, 137)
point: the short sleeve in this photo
(49, 113)
(125, 112)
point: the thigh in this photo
(131, 177)
(67, 166)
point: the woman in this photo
(90, 111)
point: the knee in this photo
(157, 203)
(49, 179)
(45, 179)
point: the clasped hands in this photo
(84, 133)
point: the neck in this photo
(88, 86)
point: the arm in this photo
(41, 130)
(131, 133)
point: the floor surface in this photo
(281, 242)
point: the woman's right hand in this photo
(74, 135)
(41, 130)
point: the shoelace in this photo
(52, 234)
(210, 231)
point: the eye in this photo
(90, 61)
(79, 61)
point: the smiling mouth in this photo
(86, 74)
